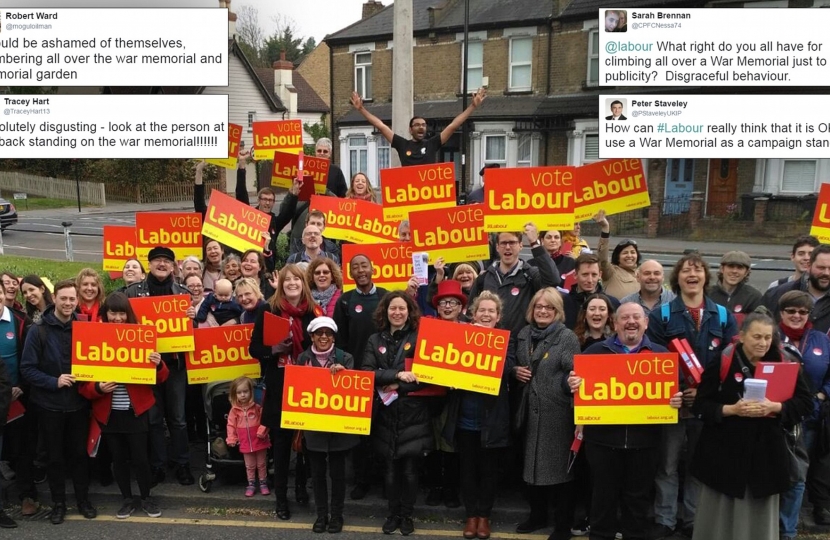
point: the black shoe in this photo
(301, 495)
(359, 492)
(530, 525)
(335, 524)
(58, 513)
(6, 522)
(658, 531)
(86, 509)
(434, 497)
(184, 476)
(283, 511)
(451, 498)
(821, 515)
(157, 477)
(407, 527)
(687, 530)
(320, 524)
(391, 524)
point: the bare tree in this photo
(248, 28)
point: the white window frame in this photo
(485, 160)
(528, 139)
(358, 149)
(584, 158)
(383, 149)
(251, 120)
(593, 56)
(363, 73)
(471, 87)
(781, 176)
(529, 63)
(681, 169)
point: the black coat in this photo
(404, 427)
(736, 452)
(820, 316)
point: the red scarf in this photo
(793, 334)
(295, 314)
(91, 312)
(695, 313)
(365, 197)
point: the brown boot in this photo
(483, 528)
(471, 529)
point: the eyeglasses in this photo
(195, 287)
(449, 303)
(266, 199)
(325, 272)
(508, 243)
(419, 124)
(627, 242)
(323, 333)
(794, 311)
(543, 307)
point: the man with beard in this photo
(418, 150)
(354, 315)
(708, 328)
(652, 293)
(170, 395)
(815, 281)
(732, 289)
(622, 458)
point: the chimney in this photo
(231, 18)
(370, 8)
(284, 84)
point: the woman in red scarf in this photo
(90, 293)
(294, 302)
(361, 189)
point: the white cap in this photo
(322, 322)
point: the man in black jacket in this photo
(587, 283)
(815, 281)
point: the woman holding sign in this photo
(402, 429)
(742, 457)
(544, 351)
(292, 301)
(121, 410)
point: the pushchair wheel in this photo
(204, 483)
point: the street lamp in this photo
(464, 90)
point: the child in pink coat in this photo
(245, 430)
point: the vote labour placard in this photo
(180, 231)
(392, 262)
(284, 170)
(613, 185)
(456, 233)
(541, 195)
(109, 352)
(174, 329)
(235, 224)
(421, 187)
(625, 388)
(315, 400)
(282, 135)
(354, 220)
(221, 354)
(234, 138)
(460, 356)
(119, 247)
(821, 218)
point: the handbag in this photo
(798, 460)
(519, 419)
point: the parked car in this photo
(8, 214)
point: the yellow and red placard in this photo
(392, 264)
(821, 219)
(462, 356)
(422, 187)
(119, 247)
(174, 329)
(235, 224)
(625, 388)
(456, 233)
(180, 231)
(354, 220)
(109, 352)
(221, 354)
(540, 195)
(284, 170)
(614, 185)
(282, 135)
(234, 138)
(315, 400)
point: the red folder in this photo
(16, 410)
(780, 377)
(274, 329)
(689, 364)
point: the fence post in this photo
(2, 250)
(653, 220)
(70, 255)
(695, 210)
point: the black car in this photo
(8, 214)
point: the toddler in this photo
(244, 429)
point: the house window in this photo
(475, 68)
(363, 74)
(384, 156)
(251, 120)
(680, 170)
(593, 58)
(358, 155)
(495, 149)
(521, 53)
(591, 152)
(799, 176)
(524, 156)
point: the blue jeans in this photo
(789, 507)
(667, 482)
(170, 398)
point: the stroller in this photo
(217, 408)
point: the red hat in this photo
(449, 288)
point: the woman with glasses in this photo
(796, 329)
(336, 181)
(323, 446)
(326, 282)
(618, 279)
(544, 351)
(193, 284)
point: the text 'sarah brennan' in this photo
(660, 15)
